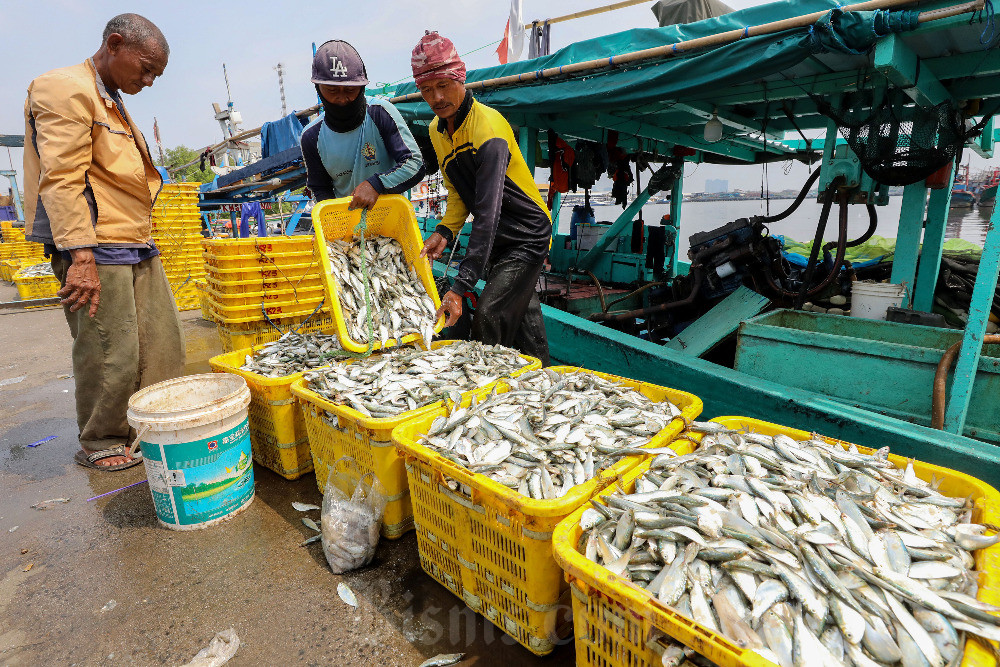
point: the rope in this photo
(360, 230)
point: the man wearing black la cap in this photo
(360, 147)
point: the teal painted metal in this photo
(556, 210)
(725, 391)
(986, 139)
(881, 366)
(961, 395)
(911, 224)
(930, 251)
(623, 222)
(903, 68)
(674, 228)
(718, 323)
(527, 140)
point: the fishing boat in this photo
(963, 191)
(640, 303)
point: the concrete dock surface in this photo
(61, 568)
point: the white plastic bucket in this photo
(870, 301)
(196, 448)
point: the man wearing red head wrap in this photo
(487, 177)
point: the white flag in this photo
(515, 41)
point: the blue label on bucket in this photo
(195, 482)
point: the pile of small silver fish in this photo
(399, 303)
(804, 552)
(292, 353)
(551, 431)
(36, 270)
(403, 379)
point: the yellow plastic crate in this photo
(259, 246)
(493, 547)
(37, 287)
(8, 267)
(260, 284)
(274, 259)
(287, 304)
(287, 272)
(338, 430)
(277, 428)
(282, 294)
(613, 618)
(391, 216)
(236, 336)
(206, 311)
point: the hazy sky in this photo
(252, 36)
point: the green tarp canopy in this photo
(651, 82)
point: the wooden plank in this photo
(719, 323)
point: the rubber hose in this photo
(824, 216)
(795, 204)
(941, 380)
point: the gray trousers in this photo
(133, 341)
(508, 311)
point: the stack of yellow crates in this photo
(15, 252)
(262, 287)
(177, 233)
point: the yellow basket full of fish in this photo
(383, 284)
(352, 408)
(277, 429)
(36, 282)
(772, 545)
(490, 480)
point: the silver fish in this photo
(443, 659)
(835, 556)
(404, 379)
(304, 507)
(520, 440)
(292, 353)
(392, 302)
(36, 270)
(347, 595)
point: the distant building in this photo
(716, 185)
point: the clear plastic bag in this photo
(353, 504)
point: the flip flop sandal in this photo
(90, 460)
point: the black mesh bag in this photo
(898, 143)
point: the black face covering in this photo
(347, 117)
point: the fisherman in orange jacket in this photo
(90, 184)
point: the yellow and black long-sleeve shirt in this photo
(486, 176)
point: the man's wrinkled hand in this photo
(434, 247)
(364, 196)
(83, 285)
(451, 306)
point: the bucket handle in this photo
(138, 438)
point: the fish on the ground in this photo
(51, 502)
(813, 553)
(347, 595)
(292, 353)
(303, 507)
(391, 297)
(443, 659)
(407, 378)
(551, 432)
(309, 523)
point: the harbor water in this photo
(969, 224)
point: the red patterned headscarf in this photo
(435, 57)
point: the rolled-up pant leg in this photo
(508, 311)
(134, 340)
